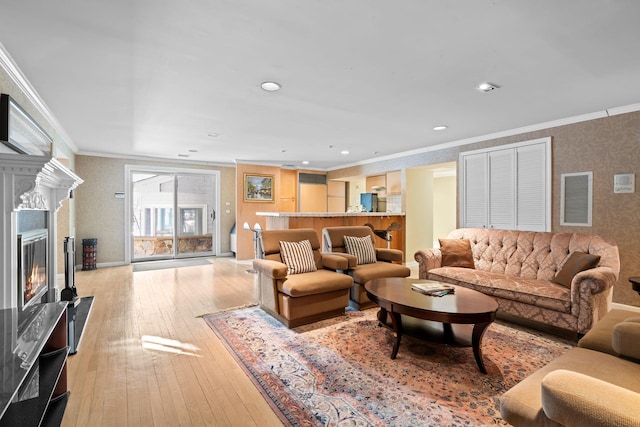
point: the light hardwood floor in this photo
(146, 357)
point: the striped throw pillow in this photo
(362, 248)
(298, 256)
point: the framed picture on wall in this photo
(258, 188)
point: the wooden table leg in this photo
(476, 340)
(447, 333)
(382, 316)
(396, 320)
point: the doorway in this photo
(430, 205)
(172, 213)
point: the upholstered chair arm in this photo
(428, 259)
(594, 280)
(574, 399)
(352, 261)
(335, 261)
(272, 269)
(591, 292)
(389, 255)
(626, 338)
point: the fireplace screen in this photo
(32, 266)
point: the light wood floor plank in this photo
(147, 358)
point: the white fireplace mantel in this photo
(34, 183)
(38, 182)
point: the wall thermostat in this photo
(624, 183)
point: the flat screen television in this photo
(19, 132)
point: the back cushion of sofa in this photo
(532, 255)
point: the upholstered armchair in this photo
(594, 384)
(297, 283)
(379, 265)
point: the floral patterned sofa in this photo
(517, 268)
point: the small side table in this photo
(635, 283)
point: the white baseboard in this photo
(619, 306)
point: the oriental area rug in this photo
(339, 371)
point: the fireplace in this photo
(33, 187)
(32, 267)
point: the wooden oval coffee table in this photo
(459, 319)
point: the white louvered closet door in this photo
(507, 187)
(532, 202)
(502, 189)
(474, 191)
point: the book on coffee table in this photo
(433, 289)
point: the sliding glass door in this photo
(172, 214)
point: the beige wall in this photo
(605, 146)
(100, 215)
(444, 206)
(418, 210)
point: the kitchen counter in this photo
(326, 214)
(320, 220)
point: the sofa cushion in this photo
(577, 262)
(298, 256)
(316, 282)
(456, 253)
(361, 247)
(568, 398)
(534, 292)
(363, 273)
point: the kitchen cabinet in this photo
(336, 196)
(394, 182)
(288, 190)
(313, 198)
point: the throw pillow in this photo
(456, 253)
(362, 248)
(298, 256)
(577, 262)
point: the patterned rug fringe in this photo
(224, 310)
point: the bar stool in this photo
(386, 233)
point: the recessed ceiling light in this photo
(270, 86)
(344, 152)
(213, 135)
(440, 127)
(487, 87)
(305, 162)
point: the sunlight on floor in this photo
(169, 346)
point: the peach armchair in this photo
(333, 241)
(297, 299)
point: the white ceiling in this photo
(154, 77)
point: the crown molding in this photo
(154, 159)
(11, 68)
(517, 131)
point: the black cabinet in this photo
(34, 361)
